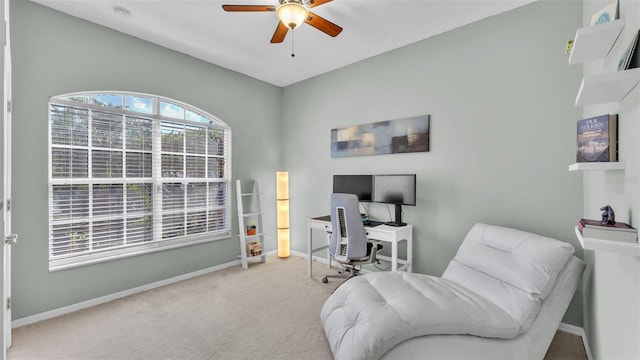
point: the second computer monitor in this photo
(397, 190)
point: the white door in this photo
(6, 238)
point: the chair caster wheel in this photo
(325, 280)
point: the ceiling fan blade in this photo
(323, 25)
(249, 7)
(281, 32)
(314, 3)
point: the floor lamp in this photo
(282, 204)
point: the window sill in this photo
(109, 255)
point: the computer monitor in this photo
(397, 190)
(360, 185)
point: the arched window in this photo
(133, 173)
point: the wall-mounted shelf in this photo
(584, 166)
(595, 42)
(620, 247)
(609, 87)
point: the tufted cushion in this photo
(512, 268)
(368, 315)
(492, 288)
(522, 306)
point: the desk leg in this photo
(309, 253)
(394, 256)
(410, 252)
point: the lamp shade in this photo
(282, 185)
(284, 249)
(282, 212)
(292, 13)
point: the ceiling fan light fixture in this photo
(292, 13)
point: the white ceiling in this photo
(240, 41)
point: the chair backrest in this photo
(348, 238)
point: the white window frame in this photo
(60, 262)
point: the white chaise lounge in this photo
(503, 296)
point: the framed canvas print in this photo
(385, 137)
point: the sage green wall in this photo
(500, 95)
(53, 54)
(612, 281)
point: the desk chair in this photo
(349, 245)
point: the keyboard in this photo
(368, 223)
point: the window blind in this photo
(128, 172)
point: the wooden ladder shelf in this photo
(250, 229)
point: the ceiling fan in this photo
(291, 14)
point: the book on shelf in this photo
(631, 58)
(619, 231)
(608, 13)
(597, 139)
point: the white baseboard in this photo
(571, 329)
(578, 331)
(306, 256)
(104, 299)
(299, 253)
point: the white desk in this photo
(384, 233)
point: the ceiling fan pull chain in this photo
(292, 37)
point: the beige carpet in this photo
(270, 311)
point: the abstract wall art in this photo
(384, 137)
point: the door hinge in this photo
(11, 239)
(9, 105)
(9, 303)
